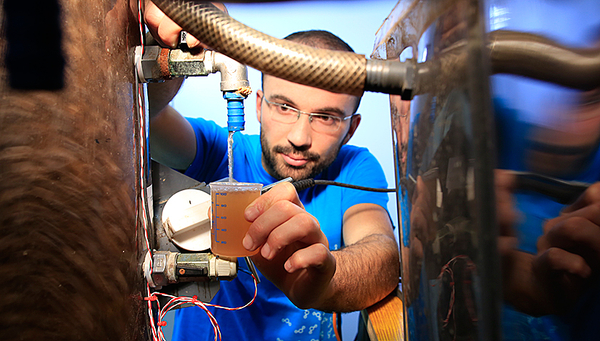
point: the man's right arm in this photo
(172, 138)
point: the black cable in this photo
(561, 191)
(307, 183)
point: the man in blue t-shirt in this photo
(321, 250)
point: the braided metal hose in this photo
(346, 72)
(336, 71)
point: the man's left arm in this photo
(295, 256)
(368, 267)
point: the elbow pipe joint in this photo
(234, 75)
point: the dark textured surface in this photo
(68, 222)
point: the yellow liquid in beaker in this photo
(228, 226)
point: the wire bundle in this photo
(184, 301)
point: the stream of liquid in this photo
(230, 155)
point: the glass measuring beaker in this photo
(228, 226)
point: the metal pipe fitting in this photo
(390, 76)
(166, 267)
(158, 64)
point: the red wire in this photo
(176, 302)
(335, 327)
(447, 268)
(156, 335)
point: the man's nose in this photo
(300, 134)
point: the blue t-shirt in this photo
(272, 316)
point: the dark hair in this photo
(318, 39)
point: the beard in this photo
(280, 169)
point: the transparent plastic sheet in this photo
(444, 157)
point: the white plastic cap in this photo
(186, 221)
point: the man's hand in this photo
(568, 258)
(294, 252)
(166, 31)
(569, 251)
(163, 29)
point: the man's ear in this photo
(354, 122)
(259, 97)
